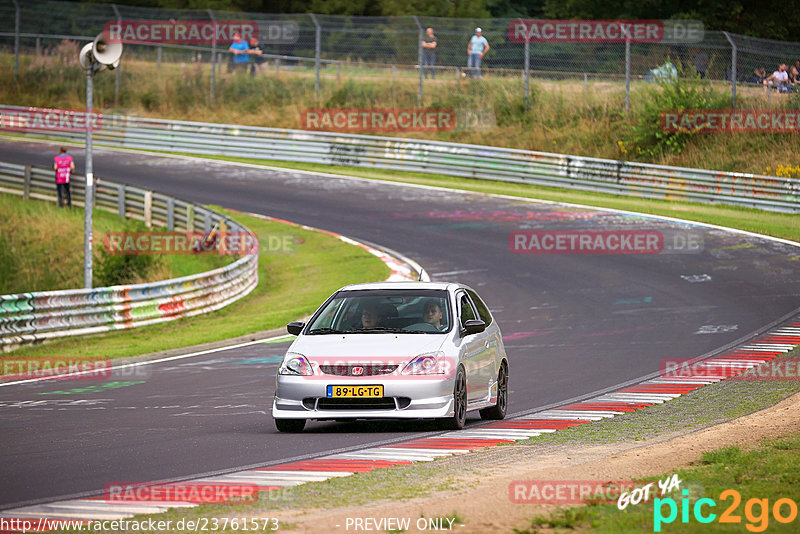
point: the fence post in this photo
(116, 78)
(419, 57)
(733, 69)
(38, 46)
(627, 73)
(277, 66)
(190, 217)
(317, 51)
(158, 55)
(16, 40)
(527, 72)
(26, 188)
(121, 200)
(213, 57)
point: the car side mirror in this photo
(474, 326)
(295, 327)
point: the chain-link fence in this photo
(329, 48)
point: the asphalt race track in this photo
(573, 323)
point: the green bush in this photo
(646, 136)
(118, 269)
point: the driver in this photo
(432, 314)
(371, 316)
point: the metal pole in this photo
(213, 58)
(627, 73)
(116, 79)
(159, 57)
(16, 40)
(733, 69)
(527, 73)
(317, 52)
(419, 57)
(89, 195)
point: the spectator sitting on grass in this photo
(794, 75)
(759, 75)
(240, 50)
(779, 78)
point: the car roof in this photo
(450, 286)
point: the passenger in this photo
(432, 314)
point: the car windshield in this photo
(381, 311)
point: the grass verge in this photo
(291, 285)
(41, 249)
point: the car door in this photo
(490, 362)
(474, 352)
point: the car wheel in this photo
(290, 425)
(498, 411)
(456, 422)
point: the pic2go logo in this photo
(756, 511)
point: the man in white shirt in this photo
(476, 49)
(779, 78)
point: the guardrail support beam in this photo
(170, 214)
(121, 200)
(148, 209)
(26, 188)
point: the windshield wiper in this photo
(382, 329)
(328, 331)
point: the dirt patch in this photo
(483, 505)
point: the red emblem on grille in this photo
(357, 371)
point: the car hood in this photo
(355, 347)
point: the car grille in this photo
(366, 369)
(383, 403)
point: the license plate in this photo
(357, 392)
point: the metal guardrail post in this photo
(26, 188)
(148, 209)
(206, 221)
(121, 200)
(190, 218)
(213, 58)
(170, 214)
(317, 51)
(119, 67)
(627, 73)
(419, 57)
(733, 68)
(16, 40)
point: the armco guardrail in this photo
(472, 161)
(38, 316)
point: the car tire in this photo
(498, 411)
(459, 417)
(290, 425)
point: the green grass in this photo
(41, 248)
(291, 285)
(768, 471)
(782, 225)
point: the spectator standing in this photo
(476, 49)
(63, 165)
(240, 50)
(256, 52)
(701, 63)
(429, 53)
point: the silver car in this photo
(394, 350)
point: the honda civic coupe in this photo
(394, 350)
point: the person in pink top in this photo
(63, 165)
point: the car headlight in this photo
(295, 364)
(430, 363)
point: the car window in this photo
(375, 311)
(483, 311)
(467, 312)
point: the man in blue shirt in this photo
(241, 51)
(476, 49)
